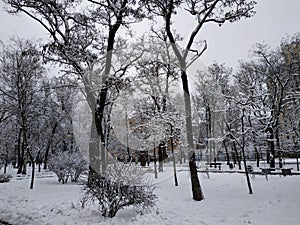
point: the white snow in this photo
(275, 201)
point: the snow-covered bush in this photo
(122, 185)
(126, 174)
(67, 165)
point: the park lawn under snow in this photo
(275, 201)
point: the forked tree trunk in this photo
(196, 188)
(102, 97)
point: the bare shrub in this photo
(122, 185)
(67, 165)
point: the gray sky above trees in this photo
(274, 19)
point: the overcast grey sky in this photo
(229, 43)
(273, 20)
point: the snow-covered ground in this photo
(275, 201)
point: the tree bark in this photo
(161, 157)
(20, 153)
(101, 99)
(257, 156)
(272, 147)
(297, 159)
(32, 171)
(196, 188)
(226, 151)
(94, 153)
(49, 145)
(254, 142)
(173, 156)
(237, 155)
(24, 161)
(155, 166)
(244, 156)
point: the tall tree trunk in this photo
(127, 131)
(6, 158)
(24, 149)
(257, 156)
(155, 166)
(272, 147)
(94, 140)
(32, 170)
(244, 156)
(161, 156)
(94, 153)
(5, 167)
(196, 188)
(297, 159)
(233, 158)
(254, 142)
(101, 99)
(25, 140)
(104, 146)
(38, 160)
(226, 152)
(237, 155)
(173, 157)
(20, 152)
(50, 140)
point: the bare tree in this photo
(271, 80)
(216, 11)
(212, 87)
(21, 72)
(84, 41)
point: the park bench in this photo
(215, 164)
(267, 170)
(286, 171)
